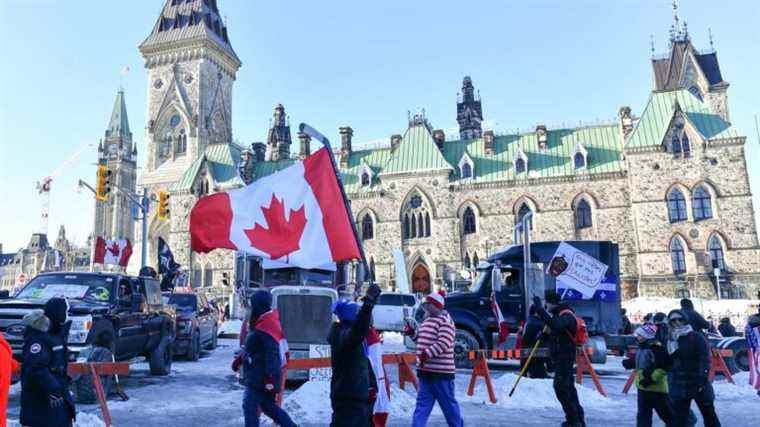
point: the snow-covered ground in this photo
(206, 393)
(738, 310)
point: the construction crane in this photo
(43, 187)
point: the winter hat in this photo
(552, 297)
(659, 317)
(346, 310)
(678, 314)
(437, 299)
(686, 303)
(57, 310)
(646, 332)
(261, 302)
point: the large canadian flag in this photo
(296, 216)
(116, 252)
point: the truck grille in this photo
(10, 318)
(305, 318)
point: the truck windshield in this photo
(184, 301)
(484, 278)
(295, 276)
(73, 286)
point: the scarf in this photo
(676, 333)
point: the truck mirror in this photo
(496, 278)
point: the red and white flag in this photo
(500, 320)
(374, 351)
(269, 323)
(116, 252)
(296, 215)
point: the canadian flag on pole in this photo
(116, 252)
(296, 215)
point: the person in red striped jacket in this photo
(435, 353)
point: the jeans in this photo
(564, 389)
(441, 391)
(254, 399)
(659, 402)
(704, 397)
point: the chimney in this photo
(245, 166)
(305, 141)
(626, 121)
(346, 134)
(439, 137)
(541, 136)
(488, 142)
(259, 151)
(395, 141)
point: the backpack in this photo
(581, 333)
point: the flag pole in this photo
(303, 127)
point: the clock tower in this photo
(113, 218)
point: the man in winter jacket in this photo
(562, 350)
(690, 358)
(651, 363)
(262, 361)
(435, 353)
(45, 397)
(726, 328)
(530, 334)
(350, 383)
(697, 322)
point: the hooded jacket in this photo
(261, 362)
(652, 362)
(350, 366)
(44, 373)
(690, 358)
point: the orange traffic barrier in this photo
(480, 369)
(583, 365)
(719, 365)
(629, 382)
(96, 370)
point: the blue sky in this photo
(339, 62)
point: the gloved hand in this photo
(373, 291)
(646, 381)
(408, 330)
(236, 362)
(423, 356)
(55, 401)
(629, 363)
(269, 384)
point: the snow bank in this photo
(83, 420)
(740, 390)
(738, 310)
(231, 327)
(393, 342)
(533, 394)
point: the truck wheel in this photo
(740, 360)
(464, 342)
(213, 343)
(84, 386)
(194, 352)
(160, 358)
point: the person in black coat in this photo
(262, 367)
(726, 328)
(350, 383)
(45, 397)
(562, 350)
(690, 360)
(531, 333)
(697, 322)
(626, 327)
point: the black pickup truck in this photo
(113, 317)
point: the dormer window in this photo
(365, 179)
(580, 160)
(466, 166)
(519, 166)
(466, 170)
(366, 175)
(521, 162)
(679, 143)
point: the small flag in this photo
(115, 252)
(374, 352)
(166, 263)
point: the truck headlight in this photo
(80, 328)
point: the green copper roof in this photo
(417, 152)
(374, 159)
(221, 162)
(119, 124)
(655, 120)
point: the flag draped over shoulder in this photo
(373, 349)
(116, 251)
(269, 323)
(752, 334)
(296, 216)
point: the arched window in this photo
(367, 228)
(701, 204)
(407, 231)
(197, 276)
(181, 142)
(468, 221)
(580, 160)
(365, 179)
(583, 215)
(427, 224)
(524, 210)
(677, 257)
(475, 260)
(715, 248)
(413, 220)
(466, 170)
(466, 261)
(679, 140)
(676, 206)
(421, 225)
(372, 269)
(416, 217)
(208, 276)
(519, 165)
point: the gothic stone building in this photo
(668, 183)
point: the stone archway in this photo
(421, 279)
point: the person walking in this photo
(530, 334)
(690, 358)
(752, 334)
(651, 363)
(697, 322)
(435, 369)
(45, 397)
(8, 367)
(626, 326)
(726, 328)
(562, 327)
(350, 383)
(262, 360)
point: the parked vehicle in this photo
(197, 323)
(114, 317)
(391, 310)
(476, 323)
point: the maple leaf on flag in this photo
(282, 235)
(114, 249)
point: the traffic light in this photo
(103, 186)
(163, 205)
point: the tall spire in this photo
(119, 124)
(469, 111)
(678, 32)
